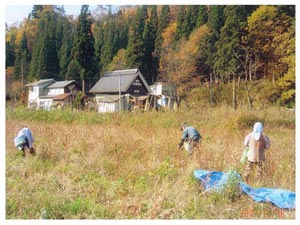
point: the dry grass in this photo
(128, 166)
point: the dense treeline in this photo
(208, 51)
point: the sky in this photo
(16, 13)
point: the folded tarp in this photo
(216, 181)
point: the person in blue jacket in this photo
(25, 140)
(190, 135)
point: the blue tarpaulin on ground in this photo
(215, 181)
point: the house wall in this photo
(112, 106)
(45, 103)
(137, 88)
(55, 91)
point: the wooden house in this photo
(121, 90)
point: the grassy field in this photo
(127, 166)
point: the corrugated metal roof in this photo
(40, 82)
(109, 83)
(61, 84)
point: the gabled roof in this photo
(61, 84)
(109, 83)
(41, 83)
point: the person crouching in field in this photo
(257, 143)
(25, 140)
(190, 135)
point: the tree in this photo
(44, 63)
(118, 62)
(190, 19)
(149, 68)
(230, 39)
(180, 30)
(202, 15)
(9, 54)
(261, 34)
(22, 62)
(135, 48)
(10, 45)
(66, 35)
(83, 52)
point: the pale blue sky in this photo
(16, 13)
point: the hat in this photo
(257, 130)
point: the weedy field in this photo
(127, 166)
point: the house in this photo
(118, 90)
(36, 90)
(48, 93)
(164, 95)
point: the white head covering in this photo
(257, 130)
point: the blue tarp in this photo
(215, 181)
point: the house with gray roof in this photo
(48, 93)
(118, 90)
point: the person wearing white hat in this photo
(24, 140)
(257, 142)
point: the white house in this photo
(36, 90)
(44, 93)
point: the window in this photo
(136, 91)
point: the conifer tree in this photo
(82, 63)
(22, 61)
(190, 20)
(202, 15)
(9, 54)
(180, 23)
(44, 63)
(228, 46)
(150, 66)
(135, 49)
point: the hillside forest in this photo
(215, 54)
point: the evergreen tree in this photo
(135, 49)
(83, 52)
(228, 47)
(149, 67)
(190, 20)
(180, 24)
(66, 34)
(110, 37)
(163, 22)
(44, 63)
(9, 54)
(202, 15)
(21, 68)
(216, 19)
(10, 46)
(214, 22)
(36, 11)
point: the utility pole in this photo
(120, 92)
